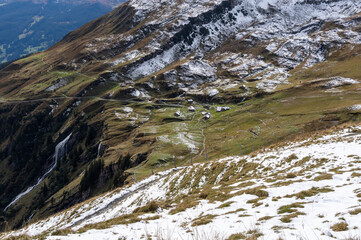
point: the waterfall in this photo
(98, 155)
(31, 216)
(99, 148)
(60, 151)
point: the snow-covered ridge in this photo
(292, 30)
(317, 179)
(166, 10)
(275, 15)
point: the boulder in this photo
(212, 92)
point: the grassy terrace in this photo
(248, 126)
(293, 110)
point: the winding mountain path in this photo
(4, 101)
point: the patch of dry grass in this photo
(63, 232)
(265, 218)
(237, 236)
(254, 234)
(151, 207)
(325, 176)
(225, 205)
(291, 175)
(291, 157)
(187, 202)
(20, 237)
(290, 208)
(339, 227)
(257, 192)
(202, 220)
(288, 218)
(355, 211)
(309, 193)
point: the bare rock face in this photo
(192, 74)
(196, 73)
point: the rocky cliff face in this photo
(123, 86)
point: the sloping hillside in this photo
(308, 189)
(154, 84)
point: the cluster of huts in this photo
(206, 115)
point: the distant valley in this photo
(27, 27)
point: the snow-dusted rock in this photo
(59, 83)
(197, 72)
(339, 81)
(212, 92)
(356, 107)
(127, 110)
(140, 94)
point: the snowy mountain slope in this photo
(292, 31)
(295, 191)
(157, 83)
(177, 29)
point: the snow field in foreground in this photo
(304, 190)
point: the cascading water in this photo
(98, 155)
(60, 151)
(99, 148)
